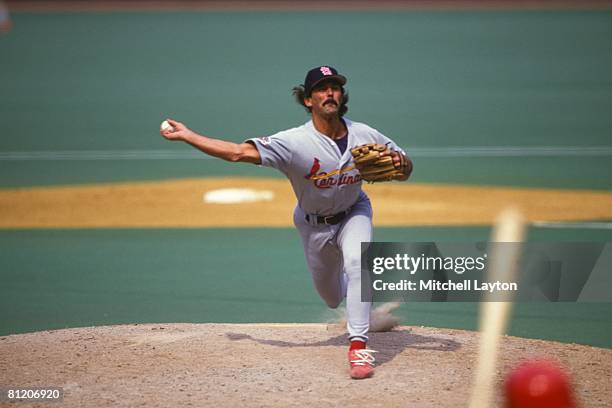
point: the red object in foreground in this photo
(539, 383)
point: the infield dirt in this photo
(179, 203)
(272, 365)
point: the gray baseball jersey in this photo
(325, 182)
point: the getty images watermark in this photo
(430, 271)
(459, 265)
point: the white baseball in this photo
(166, 126)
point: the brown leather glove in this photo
(374, 167)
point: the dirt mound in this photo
(271, 365)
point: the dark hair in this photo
(300, 93)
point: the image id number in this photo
(33, 394)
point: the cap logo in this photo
(326, 71)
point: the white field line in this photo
(431, 152)
(574, 225)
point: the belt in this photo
(328, 220)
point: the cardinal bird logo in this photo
(316, 166)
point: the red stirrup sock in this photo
(357, 345)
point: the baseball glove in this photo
(373, 167)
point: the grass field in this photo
(482, 98)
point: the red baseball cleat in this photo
(362, 363)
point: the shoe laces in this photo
(362, 357)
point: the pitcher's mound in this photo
(276, 365)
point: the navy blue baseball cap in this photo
(318, 74)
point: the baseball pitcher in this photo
(326, 160)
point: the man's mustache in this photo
(330, 101)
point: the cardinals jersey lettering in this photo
(323, 178)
